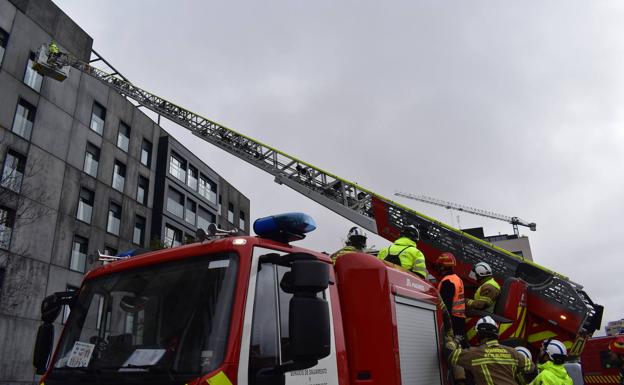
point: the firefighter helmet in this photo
(555, 349)
(524, 351)
(356, 238)
(411, 232)
(446, 260)
(482, 270)
(617, 345)
(486, 327)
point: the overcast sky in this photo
(517, 109)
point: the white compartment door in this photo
(418, 342)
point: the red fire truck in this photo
(379, 317)
(248, 310)
(599, 367)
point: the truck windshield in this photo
(168, 320)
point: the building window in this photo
(110, 251)
(177, 167)
(98, 114)
(142, 189)
(191, 179)
(92, 159)
(204, 218)
(230, 213)
(139, 230)
(173, 236)
(119, 176)
(241, 220)
(190, 212)
(13, 171)
(123, 136)
(31, 77)
(175, 203)
(146, 153)
(85, 205)
(24, 119)
(7, 222)
(219, 205)
(208, 189)
(78, 260)
(114, 218)
(4, 39)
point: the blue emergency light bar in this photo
(284, 227)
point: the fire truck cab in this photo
(245, 310)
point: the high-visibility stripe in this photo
(219, 379)
(487, 375)
(541, 336)
(503, 328)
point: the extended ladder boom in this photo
(371, 211)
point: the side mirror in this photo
(43, 347)
(52, 305)
(309, 323)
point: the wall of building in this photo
(37, 260)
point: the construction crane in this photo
(515, 221)
(361, 206)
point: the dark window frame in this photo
(137, 220)
(146, 147)
(95, 107)
(119, 165)
(21, 169)
(82, 241)
(82, 198)
(30, 74)
(140, 180)
(96, 156)
(32, 113)
(7, 225)
(124, 146)
(111, 205)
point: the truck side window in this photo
(263, 352)
(607, 361)
(269, 335)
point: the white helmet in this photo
(487, 327)
(555, 349)
(482, 270)
(524, 351)
(356, 237)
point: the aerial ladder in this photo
(558, 300)
(515, 221)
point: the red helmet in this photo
(446, 260)
(617, 345)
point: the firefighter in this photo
(526, 378)
(486, 295)
(405, 253)
(551, 370)
(451, 289)
(616, 356)
(356, 243)
(489, 363)
(53, 51)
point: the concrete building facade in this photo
(516, 244)
(80, 174)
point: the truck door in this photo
(265, 341)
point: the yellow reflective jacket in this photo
(485, 297)
(551, 374)
(407, 253)
(344, 250)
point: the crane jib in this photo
(359, 205)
